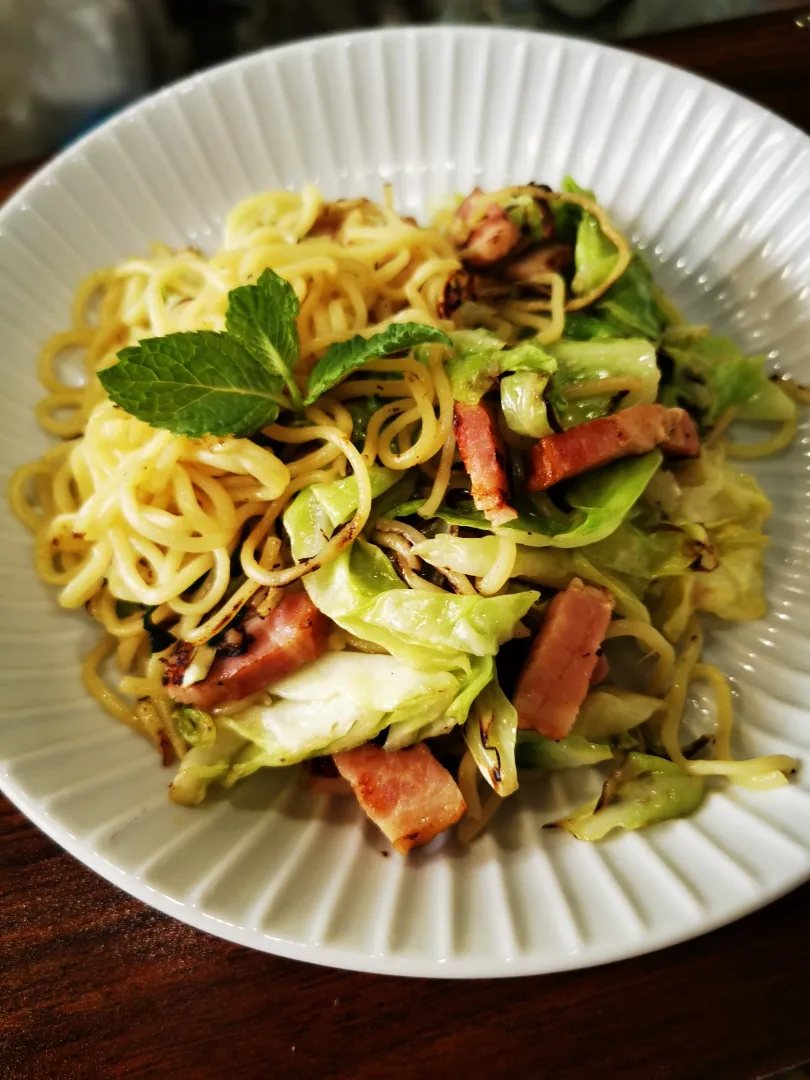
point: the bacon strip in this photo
(406, 793)
(562, 660)
(492, 240)
(486, 231)
(597, 442)
(292, 634)
(483, 455)
(544, 259)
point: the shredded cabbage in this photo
(334, 703)
(490, 734)
(319, 509)
(362, 593)
(647, 790)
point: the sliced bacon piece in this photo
(544, 259)
(682, 439)
(484, 231)
(293, 633)
(406, 793)
(563, 659)
(491, 240)
(482, 452)
(469, 210)
(597, 442)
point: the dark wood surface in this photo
(94, 984)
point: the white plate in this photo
(718, 192)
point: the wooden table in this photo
(93, 984)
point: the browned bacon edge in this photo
(563, 660)
(483, 455)
(597, 442)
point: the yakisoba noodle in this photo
(128, 518)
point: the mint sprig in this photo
(261, 318)
(206, 383)
(194, 384)
(343, 357)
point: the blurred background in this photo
(66, 64)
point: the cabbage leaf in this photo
(586, 361)
(361, 592)
(711, 375)
(204, 764)
(647, 790)
(606, 712)
(733, 509)
(406, 732)
(315, 513)
(535, 751)
(337, 702)
(552, 567)
(523, 404)
(594, 255)
(479, 358)
(490, 734)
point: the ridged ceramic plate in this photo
(717, 191)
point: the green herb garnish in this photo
(194, 384)
(344, 357)
(262, 319)
(234, 383)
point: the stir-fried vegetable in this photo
(644, 791)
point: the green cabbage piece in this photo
(712, 374)
(535, 751)
(630, 304)
(196, 726)
(599, 502)
(203, 765)
(406, 732)
(319, 509)
(479, 358)
(552, 567)
(490, 734)
(361, 592)
(607, 712)
(523, 404)
(715, 493)
(337, 702)
(582, 327)
(735, 589)
(648, 790)
(641, 555)
(594, 255)
(580, 361)
(524, 212)
(733, 509)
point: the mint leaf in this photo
(261, 318)
(344, 357)
(194, 384)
